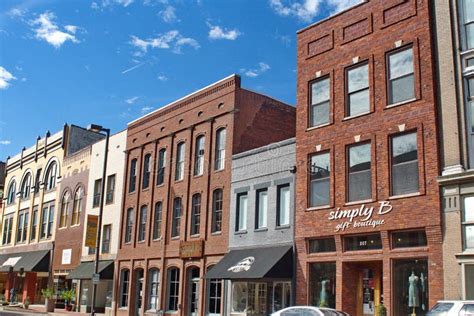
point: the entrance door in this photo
(193, 290)
(369, 290)
(139, 291)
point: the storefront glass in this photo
(322, 286)
(249, 298)
(468, 277)
(410, 287)
(281, 295)
(86, 292)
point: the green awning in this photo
(85, 270)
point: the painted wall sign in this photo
(66, 257)
(190, 249)
(91, 231)
(242, 265)
(360, 216)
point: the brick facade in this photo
(368, 32)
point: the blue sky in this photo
(112, 61)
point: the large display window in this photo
(410, 287)
(322, 285)
(249, 298)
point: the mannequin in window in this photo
(413, 292)
(323, 296)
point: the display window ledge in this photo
(362, 252)
(410, 249)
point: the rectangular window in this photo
(176, 224)
(196, 214)
(404, 173)
(124, 284)
(468, 223)
(281, 295)
(142, 226)
(410, 284)
(50, 221)
(220, 149)
(37, 180)
(199, 156)
(129, 226)
(133, 176)
(470, 111)
(322, 278)
(44, 223)
(249, 296)
(157, 221)
(358, 93)
(359, 172)
(217, 203)
(106, 235)
(262, 209)
(283, 205)
(468, 277)
(214, 290)
(468, 10)
(362, 242)
(173, 289)
(110, 189)
(34, 224)
(408, 239)
(146, 171)
(322, 245)
(180, 162)
(401, 76)
(97, 191)
(241, 218)
(320, 169)
(19, 229)
(160, 177)
(7, 229)
(320, 102)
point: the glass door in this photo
(139, 292)
(193, 290)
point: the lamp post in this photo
(99, 129)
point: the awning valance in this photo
(255, 263)
(85, 270)
(34, 261)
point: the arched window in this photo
(129, 225)
(199, 156)
(124, 285)
(173, 289)
(50, 177)
(133, 176)
(11, 193)
(217, 198)
(196, 214)
(26, 186)
(64, 209)
(176, 224)
(220, 149)
(77, 208)
(146, 171)
(153, 289)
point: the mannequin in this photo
(413, 292)
(323, 297)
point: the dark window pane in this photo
(402, 89)
(322, 245)
(320, 114)
(409, 239)
(362, 242)
(404, 164)
(469, 276)
(322, 278)
(360, 175)
(410, 286)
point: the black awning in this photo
(35, 261)
(85, 270)
(255, 263)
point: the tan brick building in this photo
(177, 195)
(368, 221)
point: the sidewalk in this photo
(39, 310)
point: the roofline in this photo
(270, 97)
(183, 98)
(331, 17)
(254, 151)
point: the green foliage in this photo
(47, 293)
(382, 310)
(323, 304)
(68, 295)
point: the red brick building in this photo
(177, 195)
(368, 222)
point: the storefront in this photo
(258, 280)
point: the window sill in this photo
(316, 127)
(410, 249)
(130, 193)
(317, 208)
(140, 241)
(146, 189)
(127, 243)
(394, 105)
(262, 229)
(161, 185)
(220, 170)
(75, 225)
(240, 232)
(110, 202)
(179, 181)
(194, 236)
(156, 239)
(283, 227)
(403, 196)
(175, 238)
(216, 233)
(322, 254)
(195, 176)
(358, 202)
(62, 228)
(363, 251)
(347, 118)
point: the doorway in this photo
(193, 291)
(139, 274)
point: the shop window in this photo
(157, 218)
(359, 172)
(404, 171)
(179, 175)
(214, 294)
(262, 209)
(249, 296)
(11, 193)
(217, 204)
(199, 156)
(468, 21)
(64, 210)
(146, 171)
(173, 289)
(283, 205)
(106, 236)
(7, 229)
(196, 214)
(468, 277)
(50, 177)
(124, 287)
(26, 186)
(322, 245)
(242, 206)
(401, 76)
(109, 198)
(322, 285)
(358, 93)
(410, 287)
(409, 239)
(142, 225)
(176, 224)
(160, 177)
(320, 102)
(362, 242)
(133, 176)
(468, 223)
(281, 295)
(77, 206)
(219, 163)
(97, 193)
(129, 225)
(153, 289)
(320, 179)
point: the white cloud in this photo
(216, 32)
(255, 72)
(164, 41)
(306, 10)
(5, 142)
(47, 30)
(132, 100)
(71, 28)
(16, 12)
(107, 3)
(5, 78)
(168, 15)
(146, 109)
(94, 6)
(162, 78)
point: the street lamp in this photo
(99, 129)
